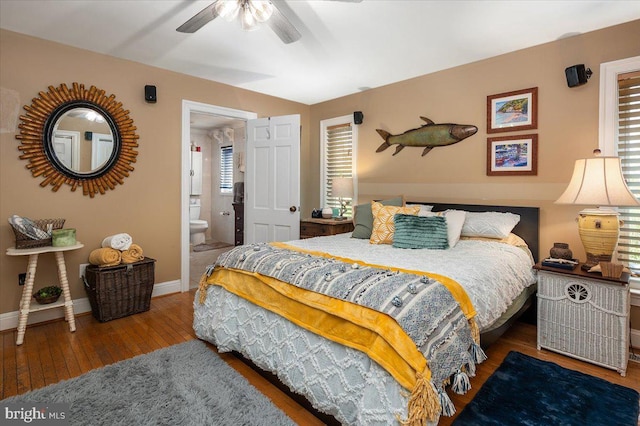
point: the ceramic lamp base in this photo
(599, 230)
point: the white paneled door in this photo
(272, 181)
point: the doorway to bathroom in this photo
(213, 146)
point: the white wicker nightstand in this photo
(585, 316)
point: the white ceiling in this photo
(345, 47)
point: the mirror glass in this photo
(82, 140)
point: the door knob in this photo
(292, 209)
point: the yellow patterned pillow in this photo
(383, 226)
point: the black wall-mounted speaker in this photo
(577, 75)
(358, 116)
(150, 94)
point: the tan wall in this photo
(147, 206)
(567, 130)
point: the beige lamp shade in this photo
(342, 187)
(598, 182)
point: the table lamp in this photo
(342, 187)
(598, 182)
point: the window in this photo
(226, 170)
(338, 146)
(620, 135)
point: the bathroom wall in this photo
(239, 156)
(221, 217)
(201, 139)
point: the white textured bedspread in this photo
(492, 273)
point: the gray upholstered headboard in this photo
(528, 228)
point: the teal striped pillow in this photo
(417, 232)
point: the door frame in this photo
(187, 108)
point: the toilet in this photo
(197, 227)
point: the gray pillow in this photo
(363, 217)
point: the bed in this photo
(289, 309)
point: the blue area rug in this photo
(528, 391)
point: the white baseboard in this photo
(9, 320)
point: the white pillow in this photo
(424, 209)
(455, 220)
(489, 224)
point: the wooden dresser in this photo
(238, 209)
(321, 227)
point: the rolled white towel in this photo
(118, 241)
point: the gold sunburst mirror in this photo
(79, 137)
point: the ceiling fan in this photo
(250, 13)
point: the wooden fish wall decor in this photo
(429, 135)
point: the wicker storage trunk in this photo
(584, 318)
(119, 291)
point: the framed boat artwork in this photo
(512, 155)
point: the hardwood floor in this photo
(51, 353)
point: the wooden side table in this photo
(27, 291)
(584, 315)
(321, 227)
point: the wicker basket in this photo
(24, 242)
(611, 270)
(119, 291)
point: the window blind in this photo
(226, 169)
(338, 161)
(628, 147)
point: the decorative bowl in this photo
(47, 295)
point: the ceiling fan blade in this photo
(283, 27)
(199, 20)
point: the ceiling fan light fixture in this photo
(247, 21)
(261, 9)
(228, 9)
(249, 12)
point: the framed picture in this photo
(512, 155)
(511, 111)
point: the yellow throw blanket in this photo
(356, 326)
(133, 254)
(105, 257)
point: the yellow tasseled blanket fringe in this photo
(372, 332)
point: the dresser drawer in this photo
(238, 209)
